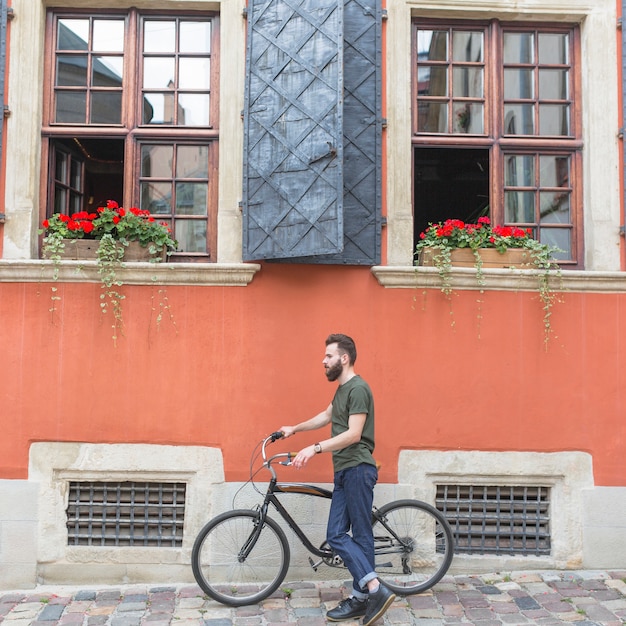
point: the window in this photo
(496, 128)
(131, 115)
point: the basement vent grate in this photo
(125, 514)
(497, 519)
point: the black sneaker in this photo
(377, 604)
(347, 609)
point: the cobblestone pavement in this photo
(547, 597)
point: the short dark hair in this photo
(345, 344)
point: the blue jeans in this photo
(351, 509)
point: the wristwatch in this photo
(318, 448)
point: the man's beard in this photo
(334, 371)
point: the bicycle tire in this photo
(232, 580)
(425, 552)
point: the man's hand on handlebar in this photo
(287, 431)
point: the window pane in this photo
(467, 82)
(108, 36)
(191, 235)
(433, 117)
(195, 37)
(156, 161)
(467, 46)
(553, 119)
(553, 84)
(432, 45)
(106, 107)
(555, 207)
(194, 73)
(192, 162)
(156, 197)
(519, 207)
(519, 119)
(71, 70)
(436, 84)
(519, 171)
(158, 108)
(71, 107)
(554, 171)
(191, 198)
(158, 72)
(60, 196)
(193, 109)
(518, 48)
(75, 175)
(159, 36)
(107, 71)
(72, 34)
(60, 170)
(559, 237)
(518, 84)
(468, 118)
(553, 49)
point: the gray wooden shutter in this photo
(293, 152)
(362, 135)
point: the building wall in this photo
(238, 350)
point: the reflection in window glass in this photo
(195, 37)
(553, 49)
(72, 34)
(518, 84)
(432, 45)
(467, 82)
(108, 36)
(106, 107)
(554, 171)
(71, 70)
(519, 207)
(191, 235)
(433, 117)
(553, 84)
(71, 107)
(467, 46)
(158, 108)
(554, 119)
(159, 36)
(518, 48)
(519, 171)
(156, 198)
(158, 72)
(468, 117)
(554, 207)
(192, 162)
(156, 161)
(194, 73)
(107, 71)
(560, 238)
(519, 119)
(193, 109)
(191, 199)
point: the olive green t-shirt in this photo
(351, 398)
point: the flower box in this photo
(86, 250)
(490, 257)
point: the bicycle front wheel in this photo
(414, 546)
(237, 563)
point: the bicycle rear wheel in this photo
(414, 546)
(236, 563)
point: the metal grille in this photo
(497, 519)
(125, 514)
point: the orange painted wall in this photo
(241, 361)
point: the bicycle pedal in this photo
(314, 565)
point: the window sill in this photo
(498, 279)
(202, 274)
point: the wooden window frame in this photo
(131, 131)
(494, 138)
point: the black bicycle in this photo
(242, 556)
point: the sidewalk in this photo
(547, 597)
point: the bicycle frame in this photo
(275, 487)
